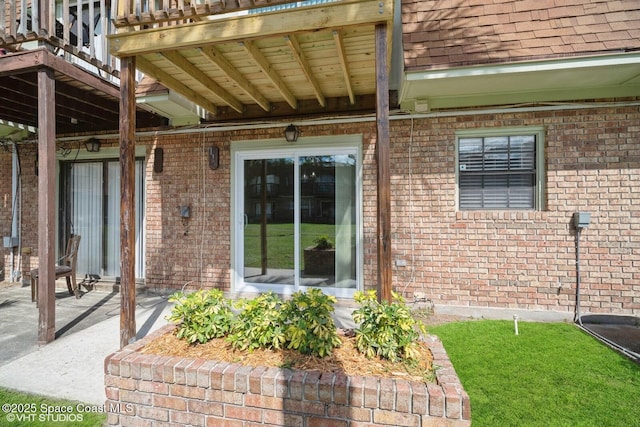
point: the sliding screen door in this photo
(298, 220)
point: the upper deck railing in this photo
(143, 14)
(76, 27)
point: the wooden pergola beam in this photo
(384, 168)
(127, 200)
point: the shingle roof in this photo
(445, 33)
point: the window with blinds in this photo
(497, 172)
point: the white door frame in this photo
(278, 148)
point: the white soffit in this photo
(179, 110)
(553, 80)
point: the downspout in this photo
(15, 212)
(577, 317)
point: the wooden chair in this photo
(66, 267)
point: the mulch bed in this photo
(346, 358)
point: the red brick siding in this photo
(196, 249)
(146, 389)
(5, 210)
(28, 204)
(524, 259)
(485, 259)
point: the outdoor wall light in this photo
(291, 133)
(93, 145)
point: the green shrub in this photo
(323, 242)
(385, 330)
(304, 323)
(259, 324)
(201, 315)
(310, 327)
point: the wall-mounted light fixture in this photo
(185, 214)
(158, 159)
(93, 145)
(214, 158)
(291, 133)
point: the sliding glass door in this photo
(90, 205)
(298, 220)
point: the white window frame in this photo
(540, 174)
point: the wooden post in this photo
(382, 158)
(127, 201)
(46, 206)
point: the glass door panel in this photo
(269, 229)
(300, 227)
(328, 221)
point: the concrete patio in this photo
(87, 330)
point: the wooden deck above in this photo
(254, 63)
(43, 35)
(84, 101)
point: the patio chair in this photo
(66, 267)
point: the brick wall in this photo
(5, 210)
(524, 259)
(196, 249)
(149, 389)
(29, 208)
(501, 259)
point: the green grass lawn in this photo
(21, 409)
(551, 374)
(280, 242)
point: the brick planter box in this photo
(145, 389)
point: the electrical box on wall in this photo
(581, 219)
(185, 211)
(9, 242)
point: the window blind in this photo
(497, 172)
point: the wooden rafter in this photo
(298, 54)
(262, 63)
(344, 64)
(92, 101)
(182, 63)
(172, 83)
(214, 55)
